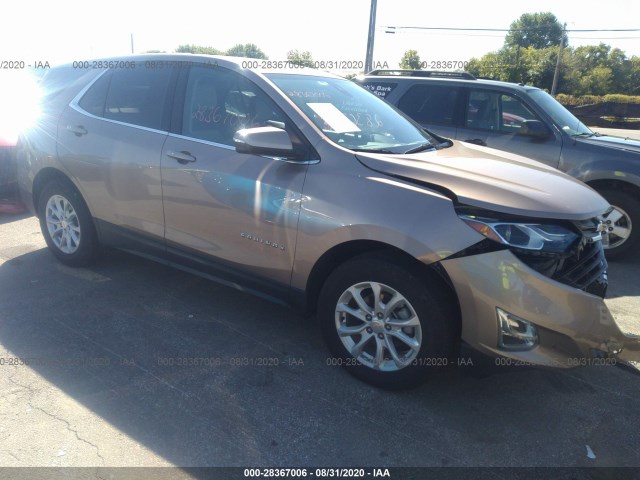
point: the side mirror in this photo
(534, 129)
(269, 141)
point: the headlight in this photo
(551, 238)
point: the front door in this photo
(239, 211)
(493, 119)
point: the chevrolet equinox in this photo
(307, 189)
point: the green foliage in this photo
(586, 70)
(522, 65)
(410, 60)
(618, 98)
(537, 30)
(301, 58)
(573, 100)
(597, 82)
(249, 50)
(598, 70)
(198, 49)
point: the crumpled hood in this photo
(608, 141)
(495, 180)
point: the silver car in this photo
(306, 189)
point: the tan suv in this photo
(307, 189)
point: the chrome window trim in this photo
(199, 140)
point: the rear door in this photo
(434, 107)
(110, 139)
(237, 212)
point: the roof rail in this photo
(423, 73)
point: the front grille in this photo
(584, 267)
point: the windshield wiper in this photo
(585, 134)
(372, 150)
(420, 148)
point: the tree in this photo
(598, 70)
(537, 30)
(410, 60)
(633, 76)
(301, 58)
(598, 82)
(525, 65)
(249, 50)
(198, 49)
(530, 53)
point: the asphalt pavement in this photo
(130, 363)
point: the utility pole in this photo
(132, 43)
(368, 62)
(556, 74)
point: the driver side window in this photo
(219, 102)
(496, 112)
(514, 112)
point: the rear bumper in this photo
(573, 326)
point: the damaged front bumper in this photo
(570, 325)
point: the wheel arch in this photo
(346, 251)
(607, 183)
(43, 177)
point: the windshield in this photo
(351, 116)
(560, 115)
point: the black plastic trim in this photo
(192, 261)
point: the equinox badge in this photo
(258, 239)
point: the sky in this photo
(64, 31)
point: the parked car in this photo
(528, 121)
(306, 189)
(7, 174)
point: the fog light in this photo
(515, 332)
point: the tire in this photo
(624, 229)
(430, 322)
(66, 224)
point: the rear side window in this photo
(430, 104)
(94, 99)
(381, 89)
(136, 96)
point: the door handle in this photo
(182, 157)
(476, 141)
(79, 130)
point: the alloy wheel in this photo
(63, 224)
(378, 326)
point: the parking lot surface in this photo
(130, 363)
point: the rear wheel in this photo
(66, 224)
(386, 325)
(623, 223)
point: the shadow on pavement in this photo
(10, 217)
(203, 375)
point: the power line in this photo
(509, 29)
(605, 38)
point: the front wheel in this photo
(386, 325)
(66, 224)
(623, 223)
